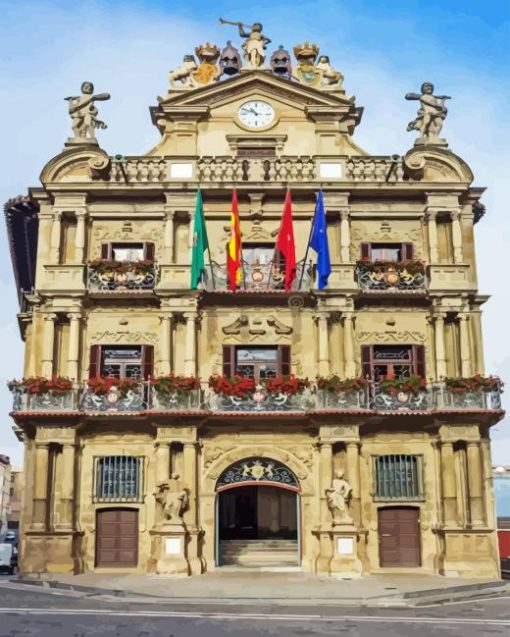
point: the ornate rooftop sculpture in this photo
(254, 45)
(84, 115)
(430, 117)
(281, 64)
(230, 60)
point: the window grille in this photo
(118, 479)
(398, 477)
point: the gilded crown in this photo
(208, 51)
(306, 50)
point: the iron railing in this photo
(146, 397)
(397, 277)
(259, 277)
(103, 278)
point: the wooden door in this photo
(117, 538)
(399, 536)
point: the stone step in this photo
(256, 553)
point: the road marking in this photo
(257, 617)
(473, 600)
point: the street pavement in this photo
(27, 611)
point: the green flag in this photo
(200, 244)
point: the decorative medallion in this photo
(257, 470)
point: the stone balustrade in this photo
(145, 398)
(228, 168)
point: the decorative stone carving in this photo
(124, 337)
(172, 497)
(235, 327)
(230, 60)
(280, 63)
(84, 114)
(337, 497)
(306, 70)
(183, 73)
(392, 337)
(100, 166)
(148, 231)
(279, 327)
(453, 433)
(254, 45)
(208, 70)
(431, 115)
(255, 470)
(331, 76)
(245, 327)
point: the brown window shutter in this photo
(229, 360)
(95, 361)
(407, 251)
(147, 361)
(284, 360)
(419, 360)
(366, 358)
(365, 251)
(148, 251)
(106, 251)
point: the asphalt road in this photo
(29, 612)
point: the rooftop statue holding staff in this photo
(431, 114)
(255, 43)
(84, 114)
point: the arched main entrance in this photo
(257, 515)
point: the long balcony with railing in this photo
(127, 396)
(108, 276)
(391, 277)
(259, 277)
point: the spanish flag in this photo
(234, 247)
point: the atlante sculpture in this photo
(84, 114)
(431, 114)
(337, 497)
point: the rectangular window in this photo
(118, 478)
(401, 361)
(121, 361)
(128, 252)
(260, 362)
(395, 252)
(397, 477)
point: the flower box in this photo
(336, 385)
(239, 386)
(397, 386)
(476, 383)
(175, 384)
(103, 386)
(286, 385)
(56, 385)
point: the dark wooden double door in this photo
(117, 538)
(399, 537)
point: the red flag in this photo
(285, 243)
(234, 247)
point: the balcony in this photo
(121, 276)
(223, 169)
(260, 277)
(389, 277)
(143, 396)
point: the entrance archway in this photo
(258, 515)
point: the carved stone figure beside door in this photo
(172, 498)
(337, 497)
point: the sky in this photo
(384, 48)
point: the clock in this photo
(256, 114)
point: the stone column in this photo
(67, 488)
(79, 250)
(353, 476)
(73, 355)
(40, 501)
(48, 345)
(190, 464)
(475, 483)
(458, 256)
(349, 362)
(465, 350)
(345, 236)
(432, 232)
(55, 238)
(190, 353)
(165, 343)
(168, 244)
(323, 344)
(449, 484)
(162, 461)
(440, 345)
(326, 476)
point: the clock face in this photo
(256, 114)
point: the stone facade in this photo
(5, 491)
(74, 517)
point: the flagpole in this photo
(307, 248)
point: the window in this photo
(387, 252)
(127, 251)
(258, 253)
(397, 477)
(262, 362)
(401, 361)
(118, 478)
(121, 361)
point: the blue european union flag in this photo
(319, 242)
